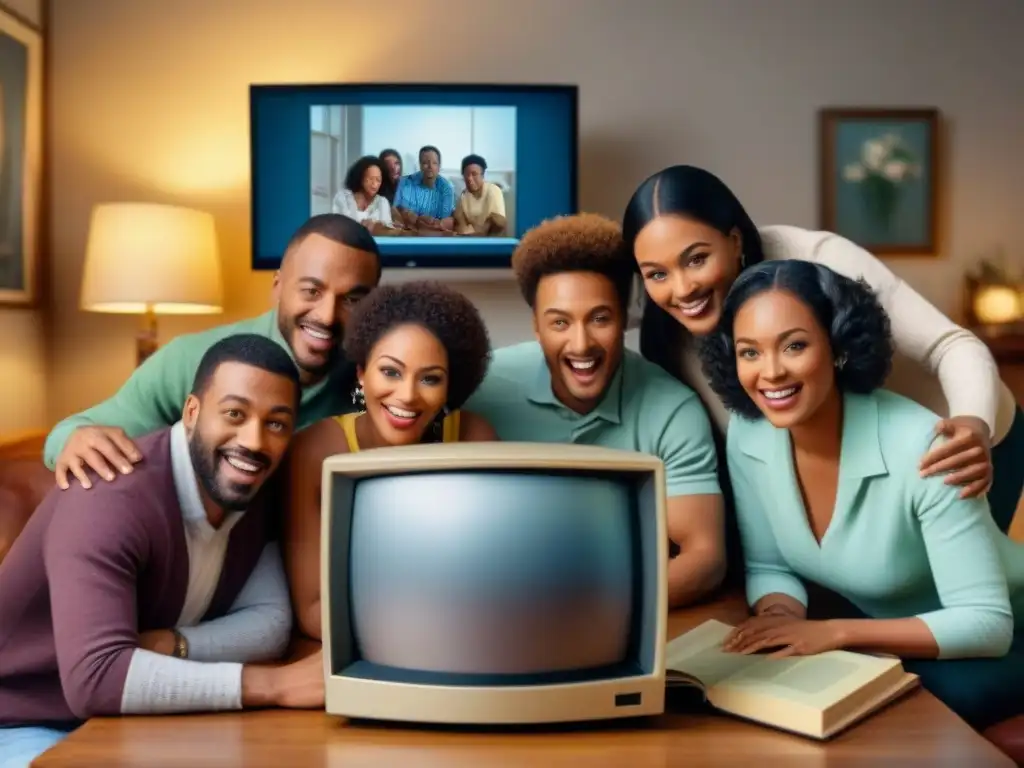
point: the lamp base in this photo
(145, 341)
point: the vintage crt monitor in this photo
(494, 583)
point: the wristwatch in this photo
(180, 645)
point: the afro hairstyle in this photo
(848, 310)
(585, 242)
(438, 309)
(357, 172)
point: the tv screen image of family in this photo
(416, 171)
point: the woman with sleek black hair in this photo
(392, 162)
(692, 238)
(824, 470)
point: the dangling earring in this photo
(840, 362)
(437, 427)
(743, 260)
(358, 398)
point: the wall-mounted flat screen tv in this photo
(444, 175)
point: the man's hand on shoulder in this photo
(106, 450)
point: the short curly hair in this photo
(857, 326)
(584, 242)
(436, 308)
(357, 172)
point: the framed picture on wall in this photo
(21, 114)
(879, 177)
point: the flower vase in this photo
(881, 196)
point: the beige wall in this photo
(23, 398)
(148, 101)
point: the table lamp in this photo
(149, 259)
(997, 304)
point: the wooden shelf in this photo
(1007, 344)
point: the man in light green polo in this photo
(578, 384)
(330, 264)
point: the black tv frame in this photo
(464, 260)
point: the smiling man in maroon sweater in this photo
(157, 593)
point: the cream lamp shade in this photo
(144, 258)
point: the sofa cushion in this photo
(24, 480)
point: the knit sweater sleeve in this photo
(962, 363)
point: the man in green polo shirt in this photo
(578, 384)
(330, 264)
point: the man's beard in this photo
(227, 495)
(289, 328)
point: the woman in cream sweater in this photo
(691, 238)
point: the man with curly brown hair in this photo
(578, 384)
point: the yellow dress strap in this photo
(451, 427)
(347, 422)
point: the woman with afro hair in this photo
(362, 196)
(420, 350)
(824, 468)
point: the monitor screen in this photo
(442, 174)
(482, 578)
(426, 143)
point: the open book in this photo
(816, 696)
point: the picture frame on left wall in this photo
(21, 140)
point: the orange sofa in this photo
(24, 480)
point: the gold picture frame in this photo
(21, 148)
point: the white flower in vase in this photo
(885, 163)
(873, 154)
(895, 170)
(854, 172)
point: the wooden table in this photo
(917, 730)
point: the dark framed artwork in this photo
(21, 113)
(879, 177)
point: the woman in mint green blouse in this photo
(824, 466)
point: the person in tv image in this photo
(392, 162)
(691, 238)
(425, 200)
(329, 265)
(162, 593)
(577, 383)
(360, 198)
(421, 349)
(824, 466)
(480, 211)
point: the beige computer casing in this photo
(358, 697)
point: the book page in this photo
(816, 681)
(699, 653)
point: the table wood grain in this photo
(917, 730)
